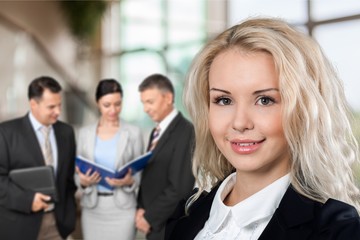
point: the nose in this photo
(58, 110)
(146, 108)
(113, 109)
(242, 120)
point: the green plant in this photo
(83, 17)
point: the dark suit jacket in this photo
(168, 177)
(19, 148)
(296, 218)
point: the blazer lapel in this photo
(60, 151)
(150, 138)
(290, 219)
(163, 139)
(88, 144)
(31, 138)
(193, 222)
(121, 145)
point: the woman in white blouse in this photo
(273, 141)
(109, 212)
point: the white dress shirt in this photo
(37, 128)
(247, 219)
(166, 121)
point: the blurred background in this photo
(80, 42)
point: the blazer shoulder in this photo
(182, 123)
(334, 212)
(185, 120)
(88, 127)
(86, 132)
(63, 126)
(13, 124)
(338, 220)
(129, 126)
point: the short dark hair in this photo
(38, 86)
(107, 86)
(158, 81)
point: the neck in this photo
(248, 184)
(105, 123)
(165, 115)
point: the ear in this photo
(169, 98)
(33, 103)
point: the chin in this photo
(153, 118)
(53, 121)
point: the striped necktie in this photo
(154, 138)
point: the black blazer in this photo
(296, 218)
(19, 148)
(168, 177)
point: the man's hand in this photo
(141, 224)
(39, 202)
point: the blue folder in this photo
(136, 165)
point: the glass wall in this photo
(335, 28)
(155, 36)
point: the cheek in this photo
(102, 110)
(273, 126)
(49, 113)
(217, 124)
(149, 106)
(163, 105)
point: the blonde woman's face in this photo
(110, 106)
(245, 113)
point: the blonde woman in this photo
(273, 140)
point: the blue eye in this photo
(265, 101)
(223, 101)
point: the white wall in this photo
(24, 24)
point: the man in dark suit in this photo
(25, 214)
(168, 177)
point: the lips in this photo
(246, 146)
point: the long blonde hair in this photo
(315, 113)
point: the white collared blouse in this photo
(247, 219)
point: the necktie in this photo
(47, 152)
(154, 138)
(46, 148)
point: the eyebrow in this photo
(220, 90)
(265, 90)
(255, 93)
